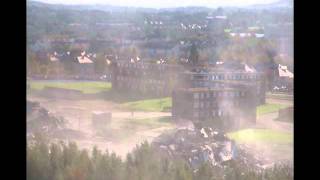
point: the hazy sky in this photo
(164, 3)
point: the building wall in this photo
(225, 79)
(157, 79)
(221, 108)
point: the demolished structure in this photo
(204, 145)
(40, 119)
(196, 146)
(218, 97)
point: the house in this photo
(283, 80)
(84, 65)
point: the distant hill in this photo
(107, 8)
(190, 9)
(278, 4)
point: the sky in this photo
(163, 3)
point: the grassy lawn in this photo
(151, 122)
(161, 104)
(279, 95)
(88, 87)
(261, 135)
(269, 108)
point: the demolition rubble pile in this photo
(39, 119)
(202, 145)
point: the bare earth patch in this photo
(78, 114)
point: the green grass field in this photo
(150, 122)
(261, 135)
(279, 95)
(269, 108)
(87, 87)
(161, 104)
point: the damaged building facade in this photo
(222, 98)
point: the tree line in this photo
(64, 161)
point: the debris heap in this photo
(39, 119)
(197, 146)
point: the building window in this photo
(196, 95)
(236, 103)
(201, 95)
(201, 105)
(195, 114)
(213, 113)
(208, 95)
(196, 105)
(219, 113)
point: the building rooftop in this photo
(84, 60)
(284, 72)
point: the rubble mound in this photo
(198, 146)
(41, 120)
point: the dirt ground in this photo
(78, 114)
(271, 153)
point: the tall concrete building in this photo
(218, 97)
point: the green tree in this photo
(100, 64)
(194, 55)
(33, 66)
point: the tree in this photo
(194, 55)
(60, 161)
(100, 64)
(32, 64)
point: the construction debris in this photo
(197, 146)
(41, 120)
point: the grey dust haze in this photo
(149, 90)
